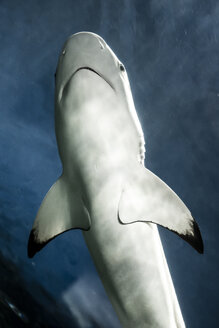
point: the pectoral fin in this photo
(147, 198)
(62, 209)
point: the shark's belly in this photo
(99, 141)
(133, 269)
(93, 125)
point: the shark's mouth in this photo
(92, 70)
(77, 70)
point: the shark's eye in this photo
(122, 68)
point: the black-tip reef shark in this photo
(106, 191)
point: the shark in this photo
(106, 191)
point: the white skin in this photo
(104, 186)
(129, 258)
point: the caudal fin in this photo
(147, 198)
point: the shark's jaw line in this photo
(84, 68)
(92, 70)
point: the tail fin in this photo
(147, 198)
(62, 209)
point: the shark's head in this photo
(86, 50)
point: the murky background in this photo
(170, 50)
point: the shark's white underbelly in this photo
(94, 128)
(133, 269)
(129, 258)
